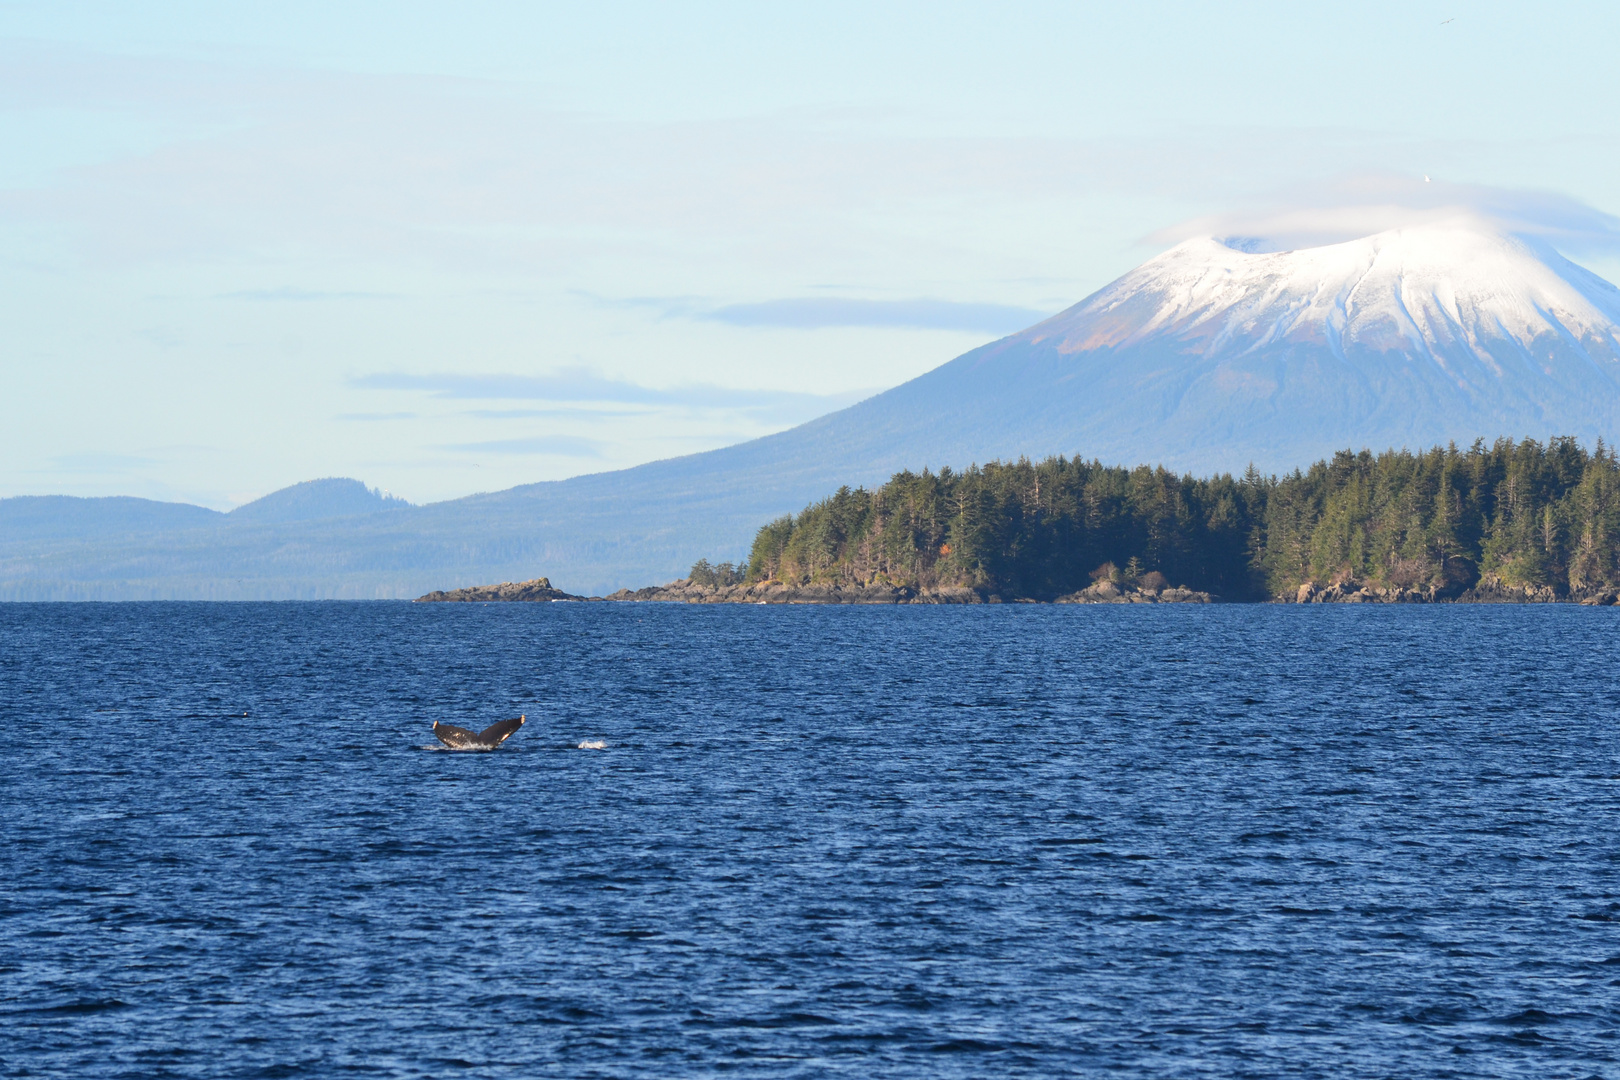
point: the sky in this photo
(455, 248)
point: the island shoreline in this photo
(685, 591)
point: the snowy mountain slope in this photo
(1440, 292)
(1209, 357)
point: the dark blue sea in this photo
(1015, 841)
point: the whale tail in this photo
(460, 738)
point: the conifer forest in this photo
(1517, 515)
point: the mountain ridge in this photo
(315, 500)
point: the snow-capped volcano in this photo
(1214, 355)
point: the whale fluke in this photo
(459, 738)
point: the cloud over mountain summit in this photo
(1357, 204)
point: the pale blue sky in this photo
(455, 248)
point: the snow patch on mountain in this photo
(1442, 293)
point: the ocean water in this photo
(869, 842)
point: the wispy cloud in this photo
(464, 174)
(810, 313)
(825, 312)
(585, 386)
(92, 461)
(547, 414)
(302, 295)
(548, 445)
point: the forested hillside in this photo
(1509, 516)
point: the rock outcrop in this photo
(1353, 592)
(1490, 589)
(537, 590)
(1493, 590)
(1108, 592)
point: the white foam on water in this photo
(593, 744)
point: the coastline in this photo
(684, 591)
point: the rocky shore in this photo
(686, 591)
(1488, 590)
(776, 592)
(537, 590)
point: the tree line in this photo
(1523, 513)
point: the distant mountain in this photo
(315, 500)
(1206, 358)
(63, 517)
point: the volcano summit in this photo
(1212, 356)
(1209, 357)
